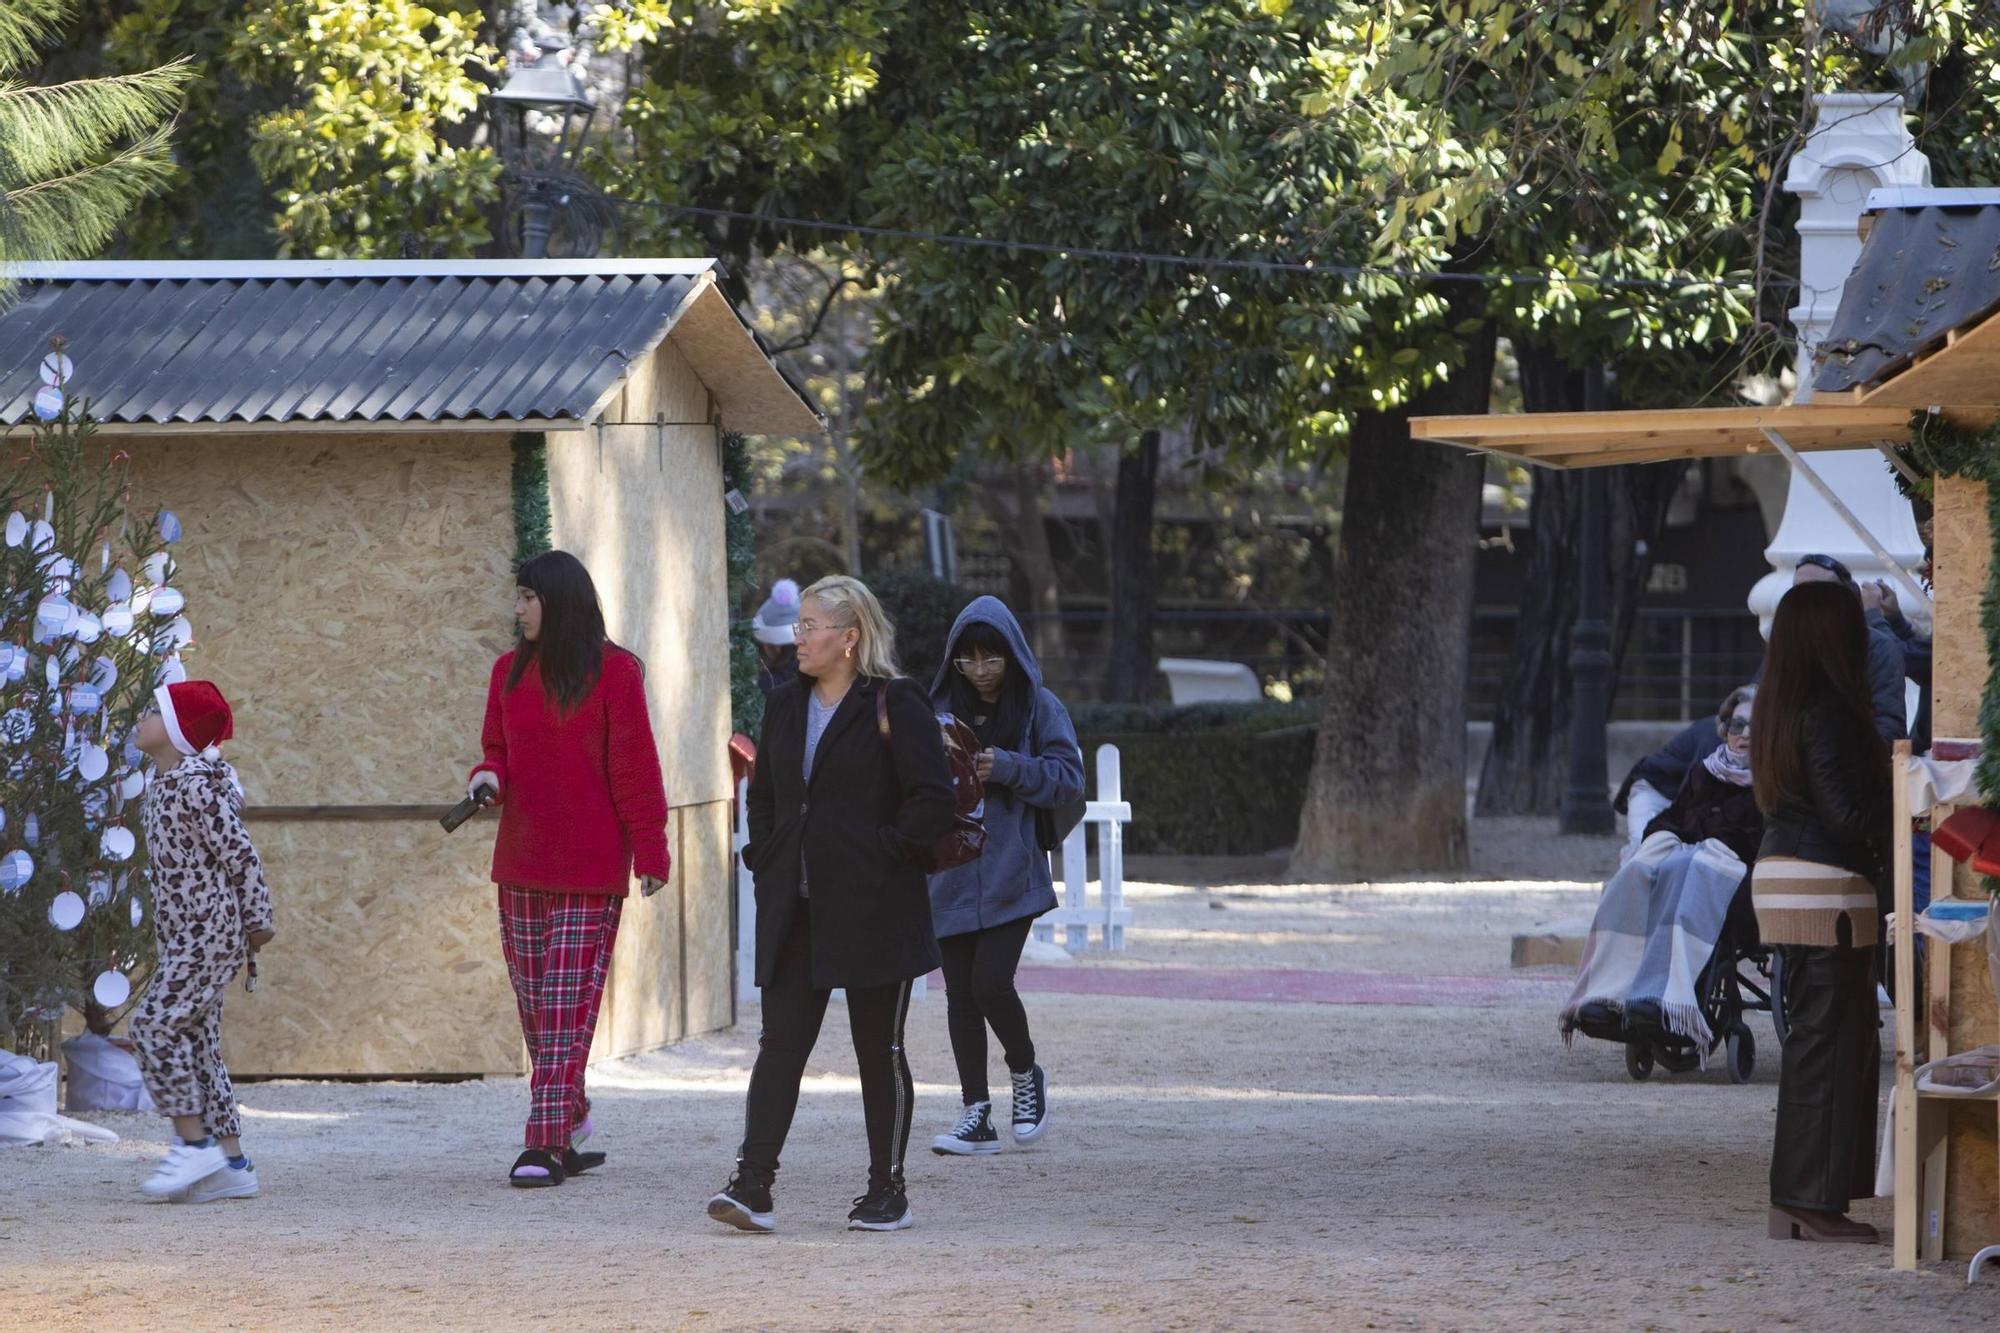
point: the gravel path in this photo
(1404, 1151)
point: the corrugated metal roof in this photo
(1923, 272)
(339, 342)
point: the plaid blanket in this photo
(1655, 929)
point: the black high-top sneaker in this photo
(974, 1137)
(882, 1208)
(745, 1203)
(1031, 1105)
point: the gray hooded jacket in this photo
(1044, 768)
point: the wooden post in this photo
(1909, 1194)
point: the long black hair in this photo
(1818, 653)
(1009, 718)
(571, 647)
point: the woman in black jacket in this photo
(837, 809)
(1823, 781)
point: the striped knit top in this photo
(1802, 902)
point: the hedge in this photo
(1206, 779)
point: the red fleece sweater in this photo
(582, 803)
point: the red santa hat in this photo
(196, 715)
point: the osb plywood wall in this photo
(1964, 547)
(349, 593)
(641, 505)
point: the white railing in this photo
(1074, 913)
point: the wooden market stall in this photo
(357, 451)
(1918, 332)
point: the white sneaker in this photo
(228, 1183)
(184, 1166)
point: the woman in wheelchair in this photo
(1664, 911)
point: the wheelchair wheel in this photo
(1677, 1059)
(1639, 1060)
(1742, 1048)
(1778, 1023)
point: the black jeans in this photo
(1824, 1153)
(979, 989)
(793, 1011)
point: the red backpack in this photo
(967, 838)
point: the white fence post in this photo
(1108, 814)
(1111, 848)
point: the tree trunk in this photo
(1527, 763)
(1022, 515)
(1132, 573)
(1387, 793)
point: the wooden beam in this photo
(1918, 595)
(1909, 1189)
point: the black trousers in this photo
(793, 1012)
(979, 990)
(1824, 1153)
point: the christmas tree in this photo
(90, 625)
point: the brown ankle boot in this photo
(1815, 1224)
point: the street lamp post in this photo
(1586, 806)
(541, 116)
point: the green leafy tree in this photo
(75, 156)
(362, 154)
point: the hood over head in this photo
(989, 611)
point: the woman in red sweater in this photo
(571, 762)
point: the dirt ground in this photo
(1422, 1153)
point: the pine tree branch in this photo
(26, 26)
(77, 213)
(48, 131)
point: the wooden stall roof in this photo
(381, 345)
(1603, 439)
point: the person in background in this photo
(1660, 917)
(983, 910)
(1646, 791)
(1884, 649)
(772, 627)
(1820, 770)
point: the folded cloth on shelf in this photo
(1656, 928)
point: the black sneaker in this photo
(975, 1135)
(882, 1208)
(744, 1204)
(1031, 1106)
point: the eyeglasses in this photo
(805, 627)
(1736, 726)
(970, 666)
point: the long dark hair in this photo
(1009, 718)
(571, 647)
(1818, 655)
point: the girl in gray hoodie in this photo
(982, 910)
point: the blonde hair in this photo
(852, 606)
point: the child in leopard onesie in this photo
(211, 913)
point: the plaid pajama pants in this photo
(558, 948)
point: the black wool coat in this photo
(853, 828)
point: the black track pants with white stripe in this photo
(793, 1012)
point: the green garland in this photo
(746, 701)
(531, 495)
(1938, 449)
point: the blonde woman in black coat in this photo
(837, 812)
